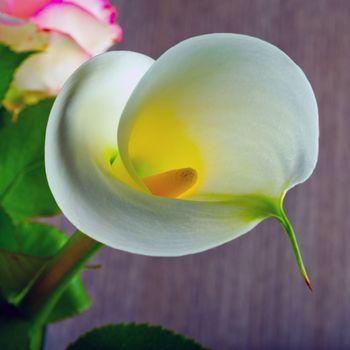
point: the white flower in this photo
(182, 154)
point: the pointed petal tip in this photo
(308, 283)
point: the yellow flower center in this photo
(162, 155)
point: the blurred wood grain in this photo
(247, 294)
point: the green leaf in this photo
(14, 335)
(131, 337)
(28, 247)
(16, 272)
(37, 239)
(5, 117)
(18, 263)
(73, 301)
(7, 236)
(41, 202)
(16, 332)
(9, 62)
(24, 192)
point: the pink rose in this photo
(68, 32)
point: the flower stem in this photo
(56, 275)
(284, 221)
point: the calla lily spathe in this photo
(182, 154)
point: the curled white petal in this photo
(234, 108)
(246, 106)
(82, 124)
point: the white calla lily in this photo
(182, 154)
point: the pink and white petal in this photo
(22, 8)
(101, 9)
(90, 33)
(47, 71)
(6, 19)
(21, 35)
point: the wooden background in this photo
(247, 294)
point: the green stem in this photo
(284, 221)
(56, 275)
